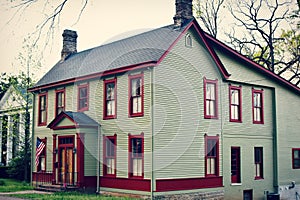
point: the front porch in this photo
(45, 181)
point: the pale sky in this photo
(101, 21)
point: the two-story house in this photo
(166, 113)
(12, 123)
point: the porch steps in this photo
(56, 188)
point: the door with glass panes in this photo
(66, 160)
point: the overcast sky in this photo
(101, 21)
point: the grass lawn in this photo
(9, 185)
(68, 196)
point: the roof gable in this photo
(12, 99)
(72, 120)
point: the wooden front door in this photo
(66, 161)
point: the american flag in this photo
(39, 149)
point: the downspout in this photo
(221, 126)
(98, 162)
(153, 133)
(275, 148)
(32, 135)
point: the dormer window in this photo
(188, 40)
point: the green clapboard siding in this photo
(178, 112)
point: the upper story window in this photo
(258, 159)
(296, 158)
(210, 99)
(42, 110)
(109, 164)
(59, 101)
(188, 40)
(235, 99)
(136, 156)
(136, 95)
(110, 99)
(83, 97)
(212, 155)
(257, 106)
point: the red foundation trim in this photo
(126, 184)
(165, 185)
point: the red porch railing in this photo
(46, 178)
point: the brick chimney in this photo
(184, 12)
(69, 43)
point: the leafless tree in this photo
(208, 13)
(260, 21)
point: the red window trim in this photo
(78, 95)
(217, 155)
(293, 158)
(64, 103)
(130, 174)
(239, 89)
(260, 163)
(105, 82)
(105, 138)
(44, 153)
(215, 82)
(262, 106)
(39, 110)
(236, 179)
(131, 77)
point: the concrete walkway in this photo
(4, 195)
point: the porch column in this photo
(54, 160)
(80, 159)
(21, 129)
(1, 139)
(9, 138)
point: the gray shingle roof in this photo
(141, 48)
(81, 118)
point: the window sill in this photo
(258, 178)
(109, 117)
(137, 115)
(236, 121)
(236, 184)
(42, 124)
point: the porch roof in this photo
(78, 118)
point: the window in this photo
(258, 159)
(136, 95)
(136, 155)
(60, 101)
(110, 99)
(235, 109)
(212, 155)
(257, 106)
(42, 157)
(247, 194)
(210, 98)
(83, 97)
(296, 158)
(42, 115)
(109, 165)
(188, 40)
(235, 165)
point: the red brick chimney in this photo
(69, 43)
(184, 12)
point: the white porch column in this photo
(0, 138)
(9, 138)
(21, 130)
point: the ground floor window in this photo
(248, 195)
(136, 156)
(212, 155)
(296, 158)
(110, 147)
(235, 165)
